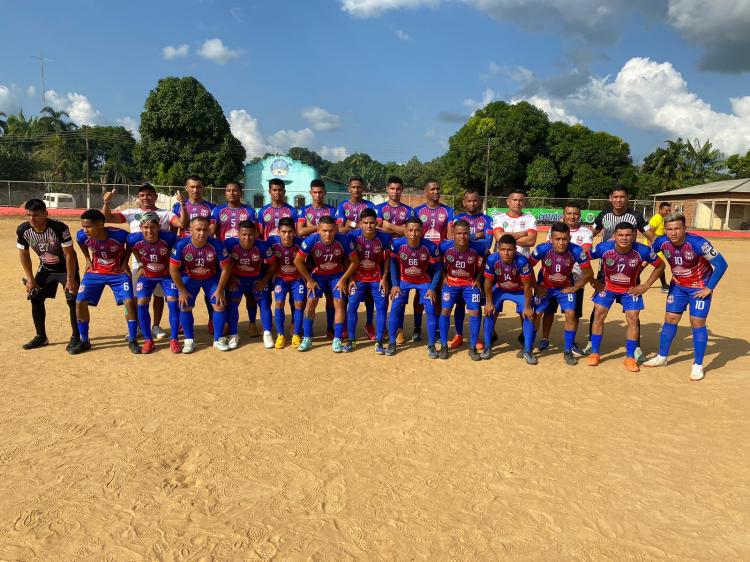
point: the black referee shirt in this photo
(606, 221)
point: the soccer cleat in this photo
(267, 339)
(296, 340)
(390, 351)
(474, 355)
(456, 342)
(480, 346)
(337, 346)
(656, 361)
(639, 355)
(174, 346)
(221, 344)
(348, 347)
(280, 341)
(211, 326)
(544, 345)
(148, 347)
(400, 337)
(72, 343)
(329, 335)
(157, 332)
(432, 353)
(569, 359)
(520, 353)
(586, 350)
(577, 351)
(305, 344)
(631, 364)
(696, 374)
(134, 347)
(36, 341)
(253, 330)
(443, 353)
(416, 337)
(379, 349)
(370, 329)
(486, 353)
(81, 347)
(188, 346)
(594, 359)
(665, 289)
(530, 359)
(233, 342)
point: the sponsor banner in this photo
(547, 215)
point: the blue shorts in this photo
(567, 301)
(361, 289)
(92, 285)
(144, 286)
(608, 298)
(406, 287)
(245, 288)
(327, 283)
(194, 286)
(518, 297)
(679, 298)
(282, 288)
(469, 295)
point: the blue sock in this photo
(445, 324)
(489, 327)
(380, 318)
(369, 311)
(307, 327)
(596, 342)
(570, 336)
(187, 321)
(133, 330)
(233, 318)
(83, 329)
(527, 326)
(220, 319)
(265, 315)
(700, 342)
(395, 319)
(144, 319)
(338, 329)
(351, 319)
(279, 319)
(252, 311)
(668, 333)
(298, 317)
(330, 315)
(431, 324)
(458, 318)
(630, 347)
(174, 319)
(475, 323)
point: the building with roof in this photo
(719, 205)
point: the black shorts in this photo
(552, 306)
(48, 281)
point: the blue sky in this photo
(394, 78)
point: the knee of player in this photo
(697, 322)
(144, 300)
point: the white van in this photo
(59, 201)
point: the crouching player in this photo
(252, 268)
(509, 277)
(287, 281)
(151, 248)
(371, 277)
(697, 269)
(106, 252)
(621, 258)
(200, 262)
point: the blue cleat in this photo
(379, 349)
(543, 345)
(337, 346)
(305, 344)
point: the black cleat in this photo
(80, 348)
(36, 341)
(432, 352)
(486, 353)
(416, 337)
(474, 355)
(74, 340)
(390, 351)
(443, 353)
(569, 358)
(521, 338)
(530, 359)
(134, 347)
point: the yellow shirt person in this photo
(657, 224)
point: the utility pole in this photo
(88, 183)
(42, 60)
(487, 173)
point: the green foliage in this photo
(311, 158)
(739, 166)
(15, 163)
(360, 164)
(541, 177)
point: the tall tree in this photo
(311, 158)
(360, 164)
(739, 166)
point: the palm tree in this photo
(671, 164)
(701, 161)
(3, 122)
(56, 121)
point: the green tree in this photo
(541, 177)
(702, 162)
(184, 131)
(15, 163)
(55, 121)
(739, 166)
(3, 122)
(311, 158)
(360, 164)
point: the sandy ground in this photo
(263, 454)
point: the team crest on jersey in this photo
(278, 288)
(188, 257)
(337, 251)
(139, 286)
(582, 255)
(347, 212)
(267, 217)
(163, 250)
(423, 218)
(386, 215)
(403, 255)
(505, 224)
(255, 257)
(446, 297)
(224, 217)
(278, 253)
(81, 288)
(548, 262)
(450, 258)
(318, 253)
(470, 258)
(610, 262)
(310, 216)
(358, 246)
(666, 254)
(633, 263)
(442, 216)
(602, 294)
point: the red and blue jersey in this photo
(435, 221)
(312, 214)
(249, 262)
(285, 257)
(227, 220)
(372, 255)
(462, 267)
(557, 269)
(154, 257)
(328, 258)
(621, 270)
(202, 262)
(414, 263)
(395, 215)
(201, 209)
(269, 217)
(106, 255)
(348, 212)
(508, 277)
(690, 262)
(477, 223)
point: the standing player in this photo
(196, 205)
(277, 209)
(522, 226)
(415, 264)
(463, 267)
(622, 258)
(335, 260)
(200, 262)
(106, 253)
(287, 281)
(151, 248)
(370, 277)
(51, 241)
(252, 269)
(509, 277)
(657, 225)
(697, 269)
(558, 257)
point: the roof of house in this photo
(741, 185)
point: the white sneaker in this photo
(221, 344)
(587, 349)
(188, 346)
(233, 342)
(656, 361)
(268, 339)
(157, 332)
(697, 373)
(639, 355)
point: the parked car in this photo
(59, 201)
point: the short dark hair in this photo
(572, 204)
(238, 184)
(355, 178)
(147, 187)
(276, 181)
(286, 221)
(93, 215)
(326, 219)
(35, 205)
(413, 220)
(624, 225)
(428, 182)
(507, 239)
(368, 213)
(394, 179)
(194, 177)
(664, 204)
(249, 224)
(517, 190)
(619, 187)
(462, 223)
(199, 218)
(473, 190)
(560, 227)
(317, 182)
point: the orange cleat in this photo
(456, 342)
(400, 337)
(174, 346)
(594, 359)
(480, 346)
(631, 364)
(148, 346)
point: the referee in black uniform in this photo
(51, 241)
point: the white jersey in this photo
(523, 223)
(133, 218)
(581, 236)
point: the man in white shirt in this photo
(521, 225)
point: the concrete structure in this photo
(720, 205)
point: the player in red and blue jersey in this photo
(151, 248)
(558, 258)
(392, 214)
(287, 281)
(106, 252)
(622, 261)
(415, 264)
(226, 218)
(335, 259)
(508, 277)
(200, 262)
(347, 212)
(252, 269)
(270, 215)
(196, 205)
(371, 277)
(697, 269)
(463, 262)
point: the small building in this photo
(719, 205)
(296, 176)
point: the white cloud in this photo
(555, 111)
(247, 130)
(8, 101)
(170, 52)
(519, 74)
(215, 50)
(333, 153)
(74, 104)
(320, 119)
(131, 125)
(488, 96)
(370, 8)
(31, 91)
(402, 35)
(284, 140)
